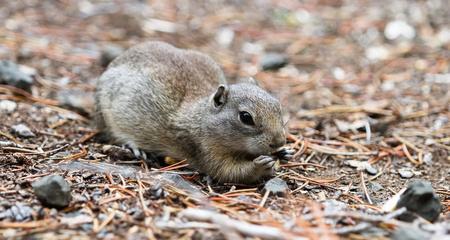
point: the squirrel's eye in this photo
(246, 118)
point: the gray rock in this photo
(362, 165)
(405, 173)
(22, 130)
(156, 192)
(7, 106)
(53, 191)
(80, 101)
(276, 186)
(273, 61)
(10, 74)
(18, 212)
(410, 233)
(374, 186)
(371, 170)
(420, 198)
(109, 53)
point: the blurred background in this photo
(293, 47)
(349, 43)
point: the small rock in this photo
(7, 106)
(360, 165)
(377, 53)
(80, 101)
(18, 212)
(374, 186)
(10, 74)
(420, 199)
(399, 29)
(22, 130)
(158, 25)
(53, 191)
(273, 61)
(332, 205)
(405, 173)
(371, 170)
(276, 186)
(109, 53)
(339, 73)
(73, 221)
(157, 192)
(321, 196)
(252, 48)
(344, 126)
(225, 36)
(428, 158)
(117, 153)
(32, 72)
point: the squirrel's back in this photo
(142, 90)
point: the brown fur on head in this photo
(247, 119)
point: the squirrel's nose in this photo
(278, 142)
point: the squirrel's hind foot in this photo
(138, 153)
(151, 158)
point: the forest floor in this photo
(364, 85)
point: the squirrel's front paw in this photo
(265, 165)
(284, 153)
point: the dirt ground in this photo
(363, 82)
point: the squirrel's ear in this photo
(220, 96)
(248, 80)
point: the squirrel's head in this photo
(246, 119)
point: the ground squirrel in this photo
(159, 99)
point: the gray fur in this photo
(160, 98)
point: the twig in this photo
(300, 187)
(360, 215)
(141, 197)
(408, 155)
(264, 199)
(349, 229)
(11, 138)
(225, 223)
(33, 224)
(363, 184)
(295, 164)
(105, 222)
(328, 150)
